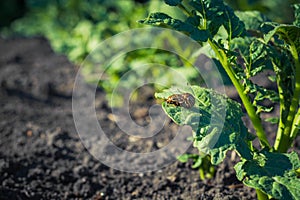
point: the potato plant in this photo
(251, 44)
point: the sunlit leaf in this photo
(290, 34)
(164, 20)
(214, 133)
(272, 173)
(216, 14)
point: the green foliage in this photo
(211, 15)
(245, 44)
(197, 160)
(297, 15)
(173, 2)
(272, 120)
(273, 173)
(205, 117)
(216, 14)
(76, 27)
(137, 62)
(290, 34)
(201, 162)
(277, 10)
(163, 20)
(252, 20)
(253, 59)
(288, 84)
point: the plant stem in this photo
(261, 195)
(248, 105)
(186, 11)
(202, 173)
(283, 141)
(296, 124)
(281, 124)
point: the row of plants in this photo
(75, 28)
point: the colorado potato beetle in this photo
(185, 100)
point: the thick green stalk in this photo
(248, 105)
(283, 141)
(185, 11)
(296, 124)
(261, 195)
(281, 124)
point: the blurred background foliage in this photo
(277, 10)
(75, 27)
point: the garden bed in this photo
(42, 157)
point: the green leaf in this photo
(297, 15)
(197, 159)
(272, 173)
(197, 162)
(272, 78)
(284, 66)
(260, 93)
(211, 136)
(254, 22)
(234, 26)
(254, 55)
(164, 20)
(184, 157)
(194, 20)
(216, 14)
(258, 58)
(290, 34)
(173, 2)
(272, 120)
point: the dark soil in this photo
(42, 157)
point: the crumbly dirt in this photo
(42, 157)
